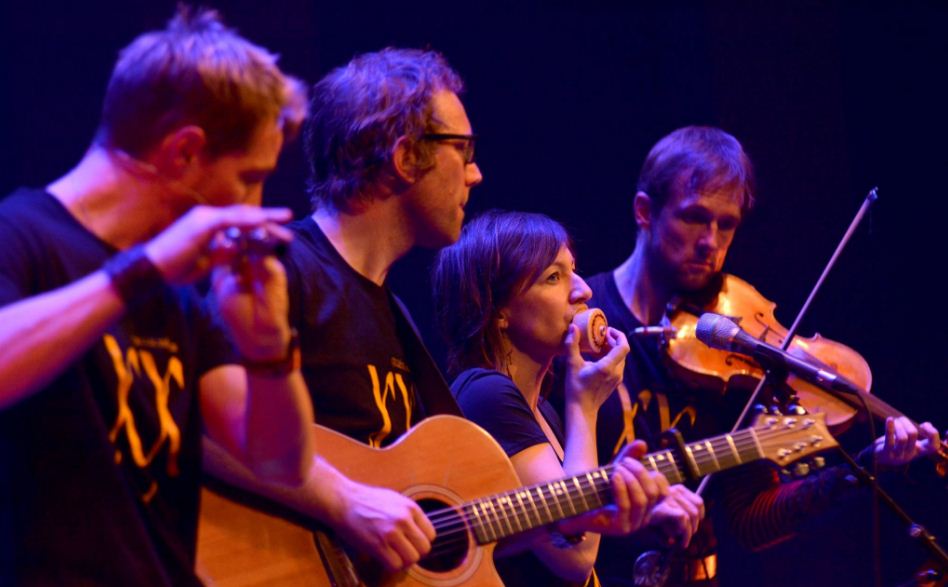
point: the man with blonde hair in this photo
(111, 365)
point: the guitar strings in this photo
(453, 524)
(702, 458)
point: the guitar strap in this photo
(430, 387)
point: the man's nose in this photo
(711, 236)
(473, 175)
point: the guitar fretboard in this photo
(499, 516)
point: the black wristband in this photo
(279, 367)
(134, 277)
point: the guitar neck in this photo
(499, 516)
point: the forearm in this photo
(575, 561)
(572, 563)
(42, 335)
(279, 427)
(373, 520)
(317, 498)
(579, 452)
(762, 511)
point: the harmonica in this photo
(252, 242)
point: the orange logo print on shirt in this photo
(644, 400)
(394, 384)
(129, 365)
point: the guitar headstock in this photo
(785, 439)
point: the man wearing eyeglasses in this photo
(391, 159)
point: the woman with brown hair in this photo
(507, 293)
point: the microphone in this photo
(720, 332)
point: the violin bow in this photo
(917, 531)
(871, 197)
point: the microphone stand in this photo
(915, 530)
(773, 377)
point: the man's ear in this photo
(179, 151)
(404, 160)
(642, 207)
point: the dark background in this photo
(830, 99)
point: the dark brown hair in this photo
(697, 159)
(498, 255)
(358, 113)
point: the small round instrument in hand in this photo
(592, 330)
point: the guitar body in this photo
(466, 485)
(444, 461)
(240, 546)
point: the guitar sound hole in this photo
(451, 545)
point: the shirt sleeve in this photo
(761, 511)
(494, 403)
(16, 262)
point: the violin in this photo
(733, 297)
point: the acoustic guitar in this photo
(468, 488)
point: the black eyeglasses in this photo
(468, 142)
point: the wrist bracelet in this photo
(277, 367)
(560, 540)
(133, 276)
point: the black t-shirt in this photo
(493, 402)
(747, 504)
(354, 362)
(100, 471)
(659, 401)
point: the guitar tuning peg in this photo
(818, 462)
(801, 469)
(796, 409)
(759, 409)
(775, 410)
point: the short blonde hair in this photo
(196, 71)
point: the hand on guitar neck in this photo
(676, 514)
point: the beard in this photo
(674, 276)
